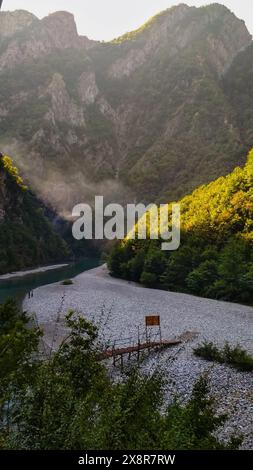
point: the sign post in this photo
(152, 321)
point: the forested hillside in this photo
(215, 258)
(26, 237)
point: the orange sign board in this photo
(152, 320)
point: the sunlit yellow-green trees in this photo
(215, 258)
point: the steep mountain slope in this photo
(177, 126)
(238, 84)
(215, 258)
(26, 237)
(145, 116)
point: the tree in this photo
(216, 253)
(18, 343)
(193, 426)
(68, 400)
(201, 278)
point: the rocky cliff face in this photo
(147, 115)
(180, 26)
(30, 39)
(14, 22)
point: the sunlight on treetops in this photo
(13, 171)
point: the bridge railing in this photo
(139, 338)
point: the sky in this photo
(108, 19)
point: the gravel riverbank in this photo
(119, 308)
(42, 269)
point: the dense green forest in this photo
(26, 237)
(68, 401)
(215, 258)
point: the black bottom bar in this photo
(107, 459)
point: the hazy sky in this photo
(107, 19)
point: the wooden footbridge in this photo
(118, 353)
(127, 348)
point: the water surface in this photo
(18, 287)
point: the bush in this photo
(237, 357)
(209, 352)
(67, 282)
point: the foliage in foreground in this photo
(215, 258)
(69, 402)
(234, 356)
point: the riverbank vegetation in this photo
(215, 258)
(236, 357)
(66, 400)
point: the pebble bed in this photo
(119, 308)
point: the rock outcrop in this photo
(225, 37)
(14, 22)
(31, 39)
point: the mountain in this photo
(26, 237)
(151, 115)
(215, 258)
(239, 88)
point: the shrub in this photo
(237, 357)
(67, 282)
(209, 352)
